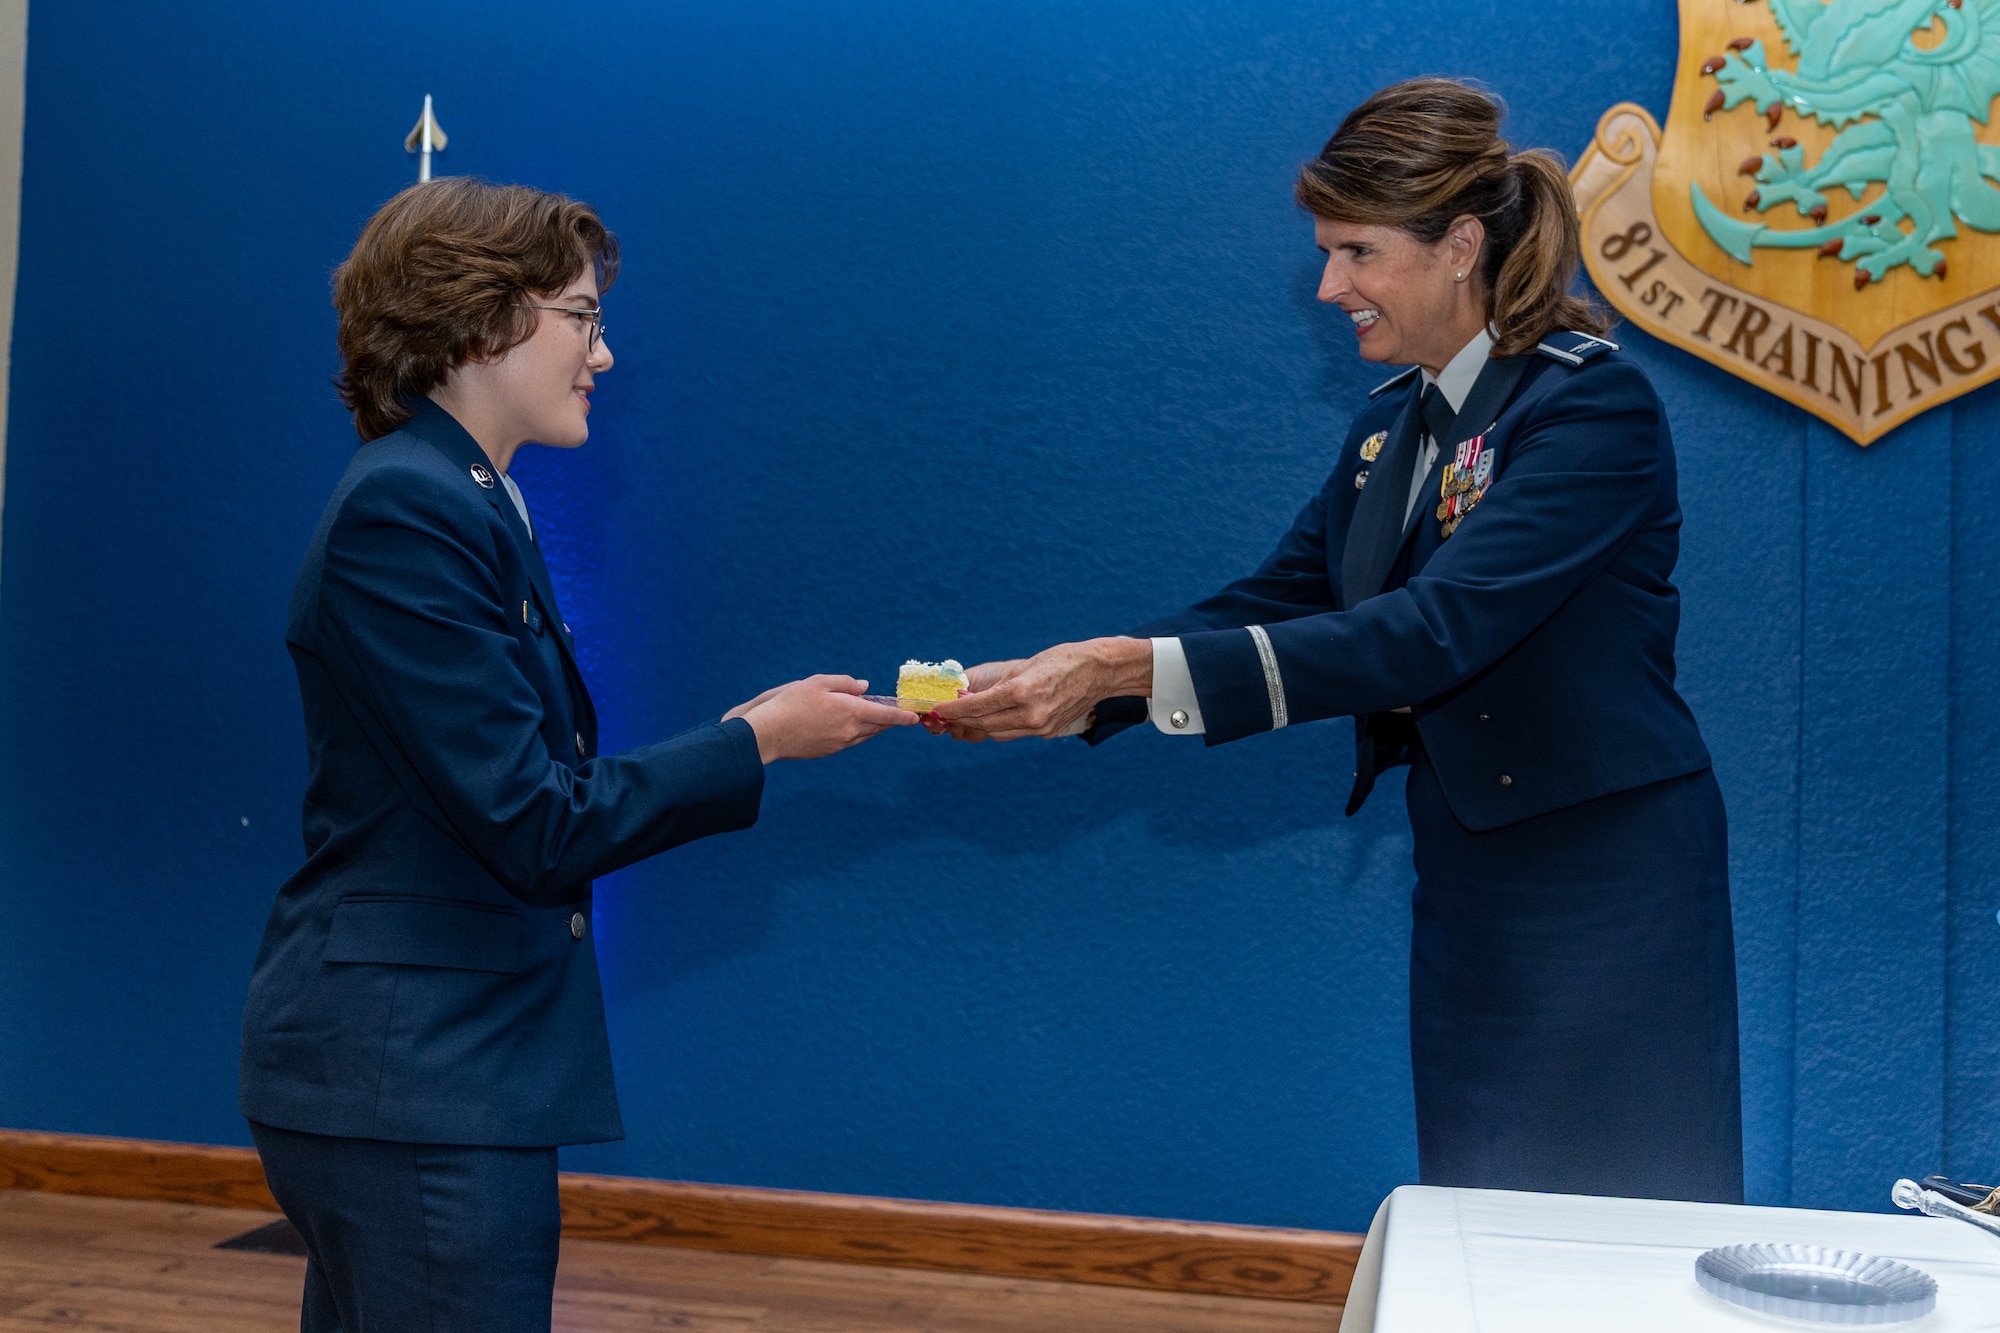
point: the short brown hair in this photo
(1421, 154)
(439, 278)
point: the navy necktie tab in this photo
(1437, 414)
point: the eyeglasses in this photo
(594, 318)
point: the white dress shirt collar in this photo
(1457, 378)
(520, 503)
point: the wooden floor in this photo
(113, 1266)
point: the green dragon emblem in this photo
(1858, 62)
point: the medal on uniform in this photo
(1371, 448)
(1463, 484)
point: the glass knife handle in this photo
(1909, 1194)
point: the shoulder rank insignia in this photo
(1371, 448)
(1573, 349)
(1392, 382)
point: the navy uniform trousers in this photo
(425, 1021)
(1572, 965)
(418, 1237)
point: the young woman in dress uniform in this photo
(425, 1021)
(1485, 585)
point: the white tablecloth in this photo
(1494, 1261)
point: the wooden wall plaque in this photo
(1821, 213)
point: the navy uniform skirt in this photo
(1573, 996)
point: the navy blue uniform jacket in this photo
(429, 975)
(1534, 646)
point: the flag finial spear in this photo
(426, 138)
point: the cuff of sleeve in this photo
(1174, 709)
(1236, 676)
(746, 765)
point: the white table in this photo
(1495, 1261)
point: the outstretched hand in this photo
(982, 677)
(814, 717)
(1047, 694)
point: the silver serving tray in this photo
(1817, 1284)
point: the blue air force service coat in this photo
(429, 974)
(1534, 645)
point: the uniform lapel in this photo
(538, 574)
(440, 429)
(1374, 533)
(538, 571)
(1490, 393)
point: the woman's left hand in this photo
(816, 717)
(746, 706)
(1051, 691)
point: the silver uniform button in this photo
(1178, 717)
(579, 745)
(576, 926)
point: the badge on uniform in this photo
(1464, 483)
(482, 475)
(1371, 448)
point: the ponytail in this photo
(1421, 154)
(1530, 272)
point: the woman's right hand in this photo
(988, 674)
(982, 677)
(1053, 693)
(817, 716)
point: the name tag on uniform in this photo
(531, 617)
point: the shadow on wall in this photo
(1033, 797)
(1017, 811)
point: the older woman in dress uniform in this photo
(1485, 584)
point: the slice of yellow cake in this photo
(922, 684)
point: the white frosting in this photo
(948, 669)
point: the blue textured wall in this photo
(946, 330)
